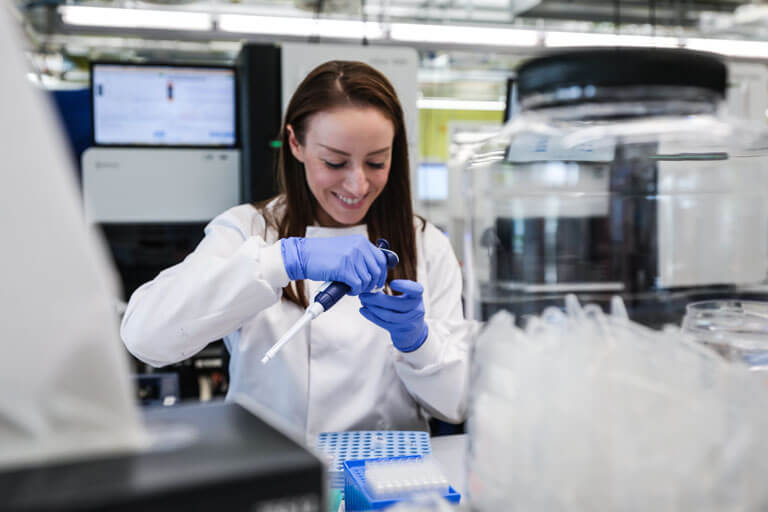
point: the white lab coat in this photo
(342, 372)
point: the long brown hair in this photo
(333, 84)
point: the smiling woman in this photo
(345, 172)
(375, 361)
(346, 117)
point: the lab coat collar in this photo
(325, 232)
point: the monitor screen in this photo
(433, 182)
(161, 105)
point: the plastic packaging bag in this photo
(64, 376)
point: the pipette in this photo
(327, 295)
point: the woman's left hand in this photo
(401, 315)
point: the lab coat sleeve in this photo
(436, 374)
(230, 277)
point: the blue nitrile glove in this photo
(353, 260)
(401, 315)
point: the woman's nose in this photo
(356, 181)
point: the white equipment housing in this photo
(151, 185)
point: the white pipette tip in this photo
(309, 314)
(272, 351)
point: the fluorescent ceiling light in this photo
(280, 25)
(134, 18)
(562, 39)
(407, 32)
(492, 36)
(730, 47)
(452, 104)
(400, 11)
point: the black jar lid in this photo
(620, 67)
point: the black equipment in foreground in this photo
(214, 456)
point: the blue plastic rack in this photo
(356, 495)
(340, 447)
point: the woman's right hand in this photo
(353, 260)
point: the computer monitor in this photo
(163, 105)
(432, 181)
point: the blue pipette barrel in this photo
(336, 290)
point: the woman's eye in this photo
(333, 165)
(376, 165)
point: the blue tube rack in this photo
(340, 447)
(356, 495)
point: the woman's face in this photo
(347, 154)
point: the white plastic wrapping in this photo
(64, 381)
(581, 410)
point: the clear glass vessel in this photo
(738, 330)
(621, 175)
